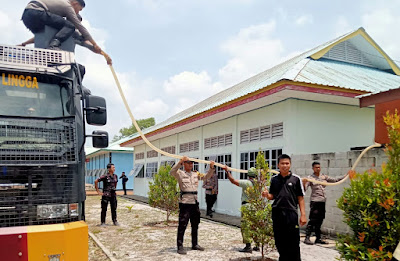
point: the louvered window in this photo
(255, 134)
(262, 133)
(152, 154)
(265, 132)
(220, 141)
(207, 143)
(277, 130)
(167, 163)
(170, 149)
(228, 139)
(245, 136)
(189, 146)
(346, 52)
(139, 156)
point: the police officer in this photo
(110, 181)
(188, 204)
(287, 192)
(317, 203)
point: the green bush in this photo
(371, 206)
(257, 220)
(164, 192)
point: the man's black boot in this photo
(197, 247)
(307, 241)
(55, 44)
(246, 249)
(181, 251)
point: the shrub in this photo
(257, 213)
(164, 192)
(371, 206)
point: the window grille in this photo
(189, 146)
(228, 139)
(207, 143)
(245, 136)
(254, 134)
(248, 160)
(265, 132)
(346, 52)
(139, 156)
(218, 141)
(151, 169)
(170, 149)
(277, 130)
(225, 159)
(152, 154)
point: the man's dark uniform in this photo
(188, 203)
(109, 187)
(284, 215)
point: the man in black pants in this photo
(124, 180)
(39, 13)
(211, 186)
(287, 192)
(188, 181)
(109, 186)
(317, 203)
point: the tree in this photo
(371, 206)
(257, 213)
(125, 132)
(164, 192)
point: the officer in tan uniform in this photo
(188, 204)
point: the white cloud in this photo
(382, 24)
(252, 50)
(304, 20)
(342, 26)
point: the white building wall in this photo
(308, 127)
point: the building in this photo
(97, 160)
(303, 106)
(383, 101)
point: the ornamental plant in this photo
(256, 215)
(371, 206)
(164, 192)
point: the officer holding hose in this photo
(188, 204)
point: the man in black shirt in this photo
(124, 180)
(109, 186)
(287, 192)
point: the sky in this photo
(171, 54)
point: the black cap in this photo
(81, 2)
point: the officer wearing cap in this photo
(188, 204)
(244, 184)
(39, 13)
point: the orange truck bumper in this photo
(58, 242)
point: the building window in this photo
(152, 154)
(248, 160)
(189, 146)
(167, 163)
(170, 149)
(219, 141)
(225, 159)
(151, 169)
(262, 133)
(139, 156)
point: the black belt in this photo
(208, 189)
(244, 202)
(189, 192)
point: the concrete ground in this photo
(142, 235)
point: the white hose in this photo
(154, 147)
(352, 169)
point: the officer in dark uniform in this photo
(287, 192)
(188, 204)
(110, 181)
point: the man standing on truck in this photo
(39, 13)
(110, 181)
